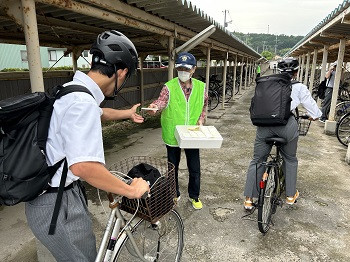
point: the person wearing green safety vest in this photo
(182, 101)
(258, 70)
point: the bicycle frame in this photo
(112, 241)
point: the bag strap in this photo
(59, 195)
(60, 91)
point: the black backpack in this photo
(270, 105)
(24, 126)
(321, 89)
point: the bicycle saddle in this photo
(278, 141)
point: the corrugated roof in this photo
(148, 23)
(334, 26)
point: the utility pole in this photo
(268, 29)
(226, 23)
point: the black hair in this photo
(107, 70)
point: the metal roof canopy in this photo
(148, 23)
(328, 33)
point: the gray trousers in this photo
(74, 239)
(262, 150)
(326, 103)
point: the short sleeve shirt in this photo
(75, 129)
(301, 95)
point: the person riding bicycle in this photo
(300, 95)
(75, 133)
(183, 101)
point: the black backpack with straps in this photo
(24, 126)
(270, 105)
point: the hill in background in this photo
(275, 44)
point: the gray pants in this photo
(74, 239)
(326, 103)
(262, 150)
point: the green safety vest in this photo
(179, 111)
(258, 70)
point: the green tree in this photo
(267, 54)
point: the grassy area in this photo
(116, 131)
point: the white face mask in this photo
(183, 75)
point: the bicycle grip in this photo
(146, 194)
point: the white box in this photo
(198, 137)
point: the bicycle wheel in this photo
(341, 109)
(237, 87)
(267, 201)
(213, 100)
(162, 241)
(343, 130)
(228, 92)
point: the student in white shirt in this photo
(300, 95)
(75, 133)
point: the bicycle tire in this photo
(146, 236)
(266, 202)
(237, 87)
(343, 130)
(341, 109)
(213, 100)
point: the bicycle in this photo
(343, 129)
(341, 109)
(272, 184)
(155, 230)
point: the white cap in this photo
(335, 63)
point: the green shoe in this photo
(196, 203)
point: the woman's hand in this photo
(153, 112)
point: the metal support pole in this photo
(302, 68)
(313, 69)
(337, 78)
(75, 56)
(207, 74)
(241, 78)
(142, 86)
(250, 72)
(299, 60)
(171, 63)
(246, 74)
(235, 75)
(306, 79)
(30, 28)
(224, 82)
(324, 62)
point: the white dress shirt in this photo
(75, 129)
(301, 95)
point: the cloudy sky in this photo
(289, 17)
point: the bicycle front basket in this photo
(163, 191)
(304, 125)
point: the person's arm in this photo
(309, 104)
(201, 120)
(161, 102)
(81, 134)
(114, 114)
(328, 74)
(98, 176)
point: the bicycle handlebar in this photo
(145, 195)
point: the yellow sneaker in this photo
(248, 203)
(196, 203)
(291, 200)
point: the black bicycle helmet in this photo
(288, 65)
(112, 47)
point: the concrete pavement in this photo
(315, 229)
